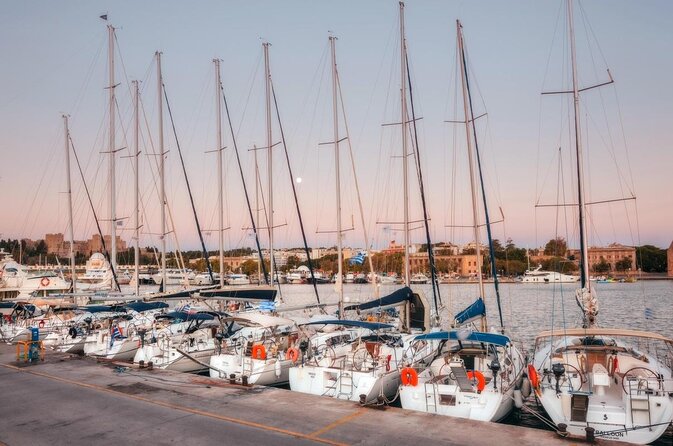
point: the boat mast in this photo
(256, 221)
(269, 147)
(162, 188)
(470, 157)
(136, 215)
(584, 249)
(405, 167)
(71, 236)
(220, 198)
(112, 150)
(339, 283)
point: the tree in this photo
(249, 267)
(651, 259)
(292, 263)
(602, 266)
(556, 247)
(623, 265)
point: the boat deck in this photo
(74, 400)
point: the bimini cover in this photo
(457, 335)
(145, 306)
(397, 297)
(361, 324)
(103, 308)
(260, 320)
(185, 316)
(477, 309)
(241, 293)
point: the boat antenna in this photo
(491, 251)
(294, 193)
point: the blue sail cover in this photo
(475, 310)
(346, 323)
(395, 298)
(145, 306)
(252, 294)
(475, 336)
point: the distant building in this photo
(462, 264)
(611, 254)
(60, 247)
(669, 259)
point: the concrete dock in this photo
(72, 400)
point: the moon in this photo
(298, 180)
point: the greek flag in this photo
(649, 314)
(357, 259)
(186, 308)
(116, 334)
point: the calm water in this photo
(531, 308)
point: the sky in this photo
(54, 61)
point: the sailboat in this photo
(477, 372)
(360, 360)
(596, 381)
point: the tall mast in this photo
(111, 149)
(162, 188)
(339, 283)
(136, 200)
(584, 249)
(405, 167)
(269, 146)
(71, 237)
(220, 198)
(470, 157)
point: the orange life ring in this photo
(533, 377)
(41, 324)
(44, 281)
(292, 354)
(409, 376)
(258, 352)
(481, 381)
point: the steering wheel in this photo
(638, 376)
(566, 379)
(360, 358)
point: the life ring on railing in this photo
(409, 377)
(292, 354)
(258, 352)
(41, 324)
(481, 381)
(533, 377)
(44, 281)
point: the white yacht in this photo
(98, 274)
(175, 276)
(16, 279)
(539, 276)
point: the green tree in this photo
(601, 267)
(556, 247)
(651, 259)
(623, 265)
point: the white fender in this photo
(278, 367)
(518, 399)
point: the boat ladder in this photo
(431, 397)
(639, 400)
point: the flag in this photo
(104, 17)
(116, 334)
(649, 314)
(357, 259)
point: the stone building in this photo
(669, 260)
(611, 254)
(463, 264)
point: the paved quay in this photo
(72, 400)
